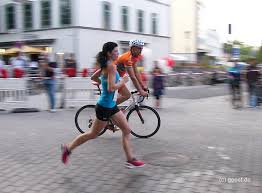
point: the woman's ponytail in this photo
(101, 57)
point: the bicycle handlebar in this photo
(135, 91)
(143, 98)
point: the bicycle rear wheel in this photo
(85, 117)
(144, 121)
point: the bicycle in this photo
(145, 115)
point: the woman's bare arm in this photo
(112, 86)
(95, 76)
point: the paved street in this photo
(202, 146)
(197, 92)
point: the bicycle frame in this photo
(134, 102)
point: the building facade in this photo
(213, 44)
(186, 28)
(81, 26)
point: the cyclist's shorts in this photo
(103, 113)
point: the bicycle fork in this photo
(139, 114)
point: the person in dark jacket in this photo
(49, 69)
(158, 84)
(252, 77)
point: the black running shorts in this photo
(103, 113)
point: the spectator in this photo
(33, 64)
(18, 65)
(158, 84)
(252, 77)
(19, 62)
(71, 65)
(2, 63)
(3, 71)
(49, 81)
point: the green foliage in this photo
(259, 55)
(246, 51)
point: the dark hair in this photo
(101, 57)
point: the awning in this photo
(24, 49)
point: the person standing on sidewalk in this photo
(49, 81)
(71, 65)
(106, 107)
(252, 77)
(2, 63)
(157, 84)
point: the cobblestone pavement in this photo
(202, 146)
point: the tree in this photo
(259, 55)
(227, 48)
(246, 51)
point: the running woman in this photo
(106, 107)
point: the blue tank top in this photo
(107, 98)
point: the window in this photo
(107, 15)
(140, 18)
(65, 12)
(154, 23)
(10, 17)
(46, 13)
(28, 15)
(125, 18)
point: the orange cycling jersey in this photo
(124, 61)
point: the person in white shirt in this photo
(2, 63)
(19, 62)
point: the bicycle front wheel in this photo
(85, 117)
(144, 121)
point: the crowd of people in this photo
(39, 69)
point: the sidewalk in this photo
(203, 146)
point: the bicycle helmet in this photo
(138, 43)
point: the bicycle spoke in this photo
(144, 122)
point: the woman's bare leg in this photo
(96, 128)
(120, 121)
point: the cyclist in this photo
(235, 84)
(106, 107)
(127, 63)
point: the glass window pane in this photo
(10, 17)
(65, 12)
(140, 21)
(107, 15)
(46, 13)
(125, 18)
(154, 23)
(28, 13)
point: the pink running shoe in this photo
(134, 164)
(65, 154)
